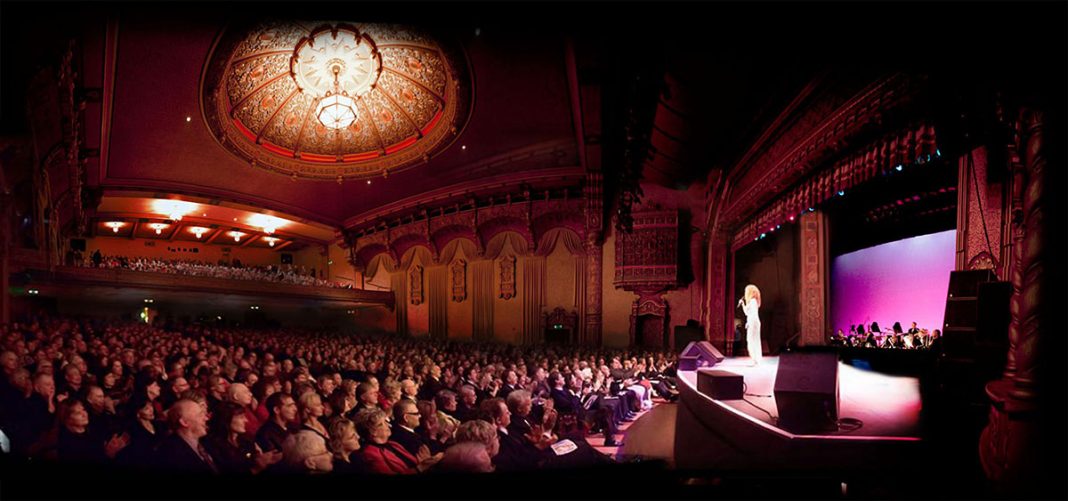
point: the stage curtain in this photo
(438, 299)
(497, 244)
(449, 251)
(482, 300)
(556, 236)
(533, 293)
(417, 254)
(398, 280)
(380, 260)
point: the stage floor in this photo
(887, 406)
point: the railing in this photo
(117, 277)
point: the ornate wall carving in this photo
(415, 281)
(914, 145)
(507, 268)
(813, 278)
(805, 145)
(650, 331)
(459, 280)
(647, 257)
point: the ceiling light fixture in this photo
(336, 65)
(115, 225)
(158, 227)
(199, 231)
(237, 235)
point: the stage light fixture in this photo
(841, 193)
(791, 218)
(33, 292)
(899, 168)
(115, 225)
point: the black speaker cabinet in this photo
(806, 391)
(699, 354)
(720, 385)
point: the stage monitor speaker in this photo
(965, 283)
(806, 391)
(699, 354)
(720, 385)
(77, 244)
(686, 334)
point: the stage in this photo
(736, 435)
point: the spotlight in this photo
(463, 147)
(777, 226)
(810, 209)
(762, 235)
(368, 181)
(188, 119)
(938, 153)
(899, 168)
(791, 218)
(841, 193)
(33, 292)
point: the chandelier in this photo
(336, 66)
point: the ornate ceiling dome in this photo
(332, 99)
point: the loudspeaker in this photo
(287, 258)
(720, 385)
(965, 284)
(699, 354)
(77, 244)
(686, 334)
(806, 391)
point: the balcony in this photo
(67, 277)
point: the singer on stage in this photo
(750, 304)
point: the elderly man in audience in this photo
(406, 418)
(240, 394)
(305, 452)
(182, 451)
(466, 457)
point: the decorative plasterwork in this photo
(507, 268)
(415, 287)
(915, 145)
(263, 85)
(531, 219)
(459, 280)
(647, 256)
(813, 143)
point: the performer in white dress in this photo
(750, 304)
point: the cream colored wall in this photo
(615, 303)
(310, 257)
(460, 316)
(507, 315)
(341, 271)
(418, 315)
(560, 280)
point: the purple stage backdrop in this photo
(900, 281)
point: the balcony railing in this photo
(117, 277)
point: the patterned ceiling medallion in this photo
(334, 100)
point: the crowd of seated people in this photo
(286, 273)
(871, 336)
(214, 400)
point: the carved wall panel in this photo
(507, 264)
(647, 257)
(415, 280)
(459, 280)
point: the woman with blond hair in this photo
(750, 304)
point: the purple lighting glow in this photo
(901, 281)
